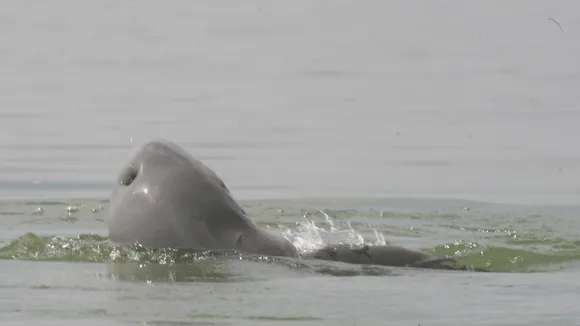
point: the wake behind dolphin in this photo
(164, 198)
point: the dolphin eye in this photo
(127, 176)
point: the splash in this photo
(308, 236)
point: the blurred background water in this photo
(455, 100)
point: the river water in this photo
(443, 126)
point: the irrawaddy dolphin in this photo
(165, 198)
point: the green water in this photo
(55, 255)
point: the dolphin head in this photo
(166, 198)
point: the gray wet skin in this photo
(378, 255)
(166, 198)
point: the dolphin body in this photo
(380, 255)
(165, 198)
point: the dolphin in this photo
(165, 198)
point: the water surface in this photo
(58, 265)
(444, 126)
